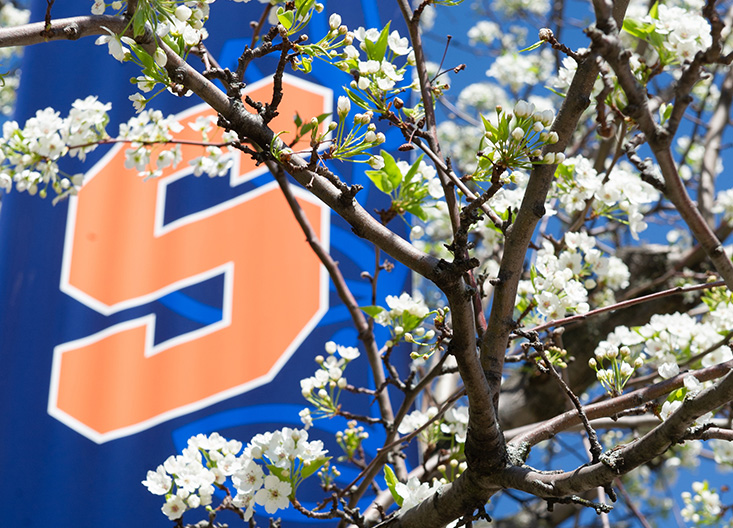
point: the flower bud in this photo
(160, 57)
(522, 109)
(183, 13)
(547, 117)
(334, 21)
(376, 162)
(343, 106)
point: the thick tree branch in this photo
(531, 435)
(61, 29)
(624, 458)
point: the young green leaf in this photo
(393, 172)
(381, 180)
(391, 479)
(532, 47)
(372, 311)
(377, 50)
(314, 466)
(285, 18)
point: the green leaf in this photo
(285, 18)
(488, 126)
(357, 100)
(314, 466)
(391, 479)
(298, 121)
(147, 61)
(377, 50)
(678, 395)
(371, 311)
(278, 472)
(418, 211)
(413, 170)
(302, 7)
(637, 29)
(667, 112)
(306, 64)
(138, 23)
(555, 92)
(532, 47)
(381, 180)
(654, 11)
(394, 174)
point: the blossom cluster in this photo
(351, 438)
(187, 480)
(413, 492)
(692, 387)
(620, 195)
(404, 318)
(670, 339)
(29, 155)
(702, 508)
(516, 70)
(266, 473)
(146, 132)
(411, 187)
(179, 25)
(685, 32)
(452, 425)
(560, 283)
(361, 136)
(620, 369)
(515, 140)
(323, 389)
(288, 456)
(378, 72)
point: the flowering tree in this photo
(540, 311)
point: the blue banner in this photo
(140, 313)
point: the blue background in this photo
(53, 476)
